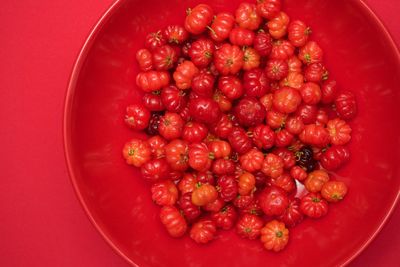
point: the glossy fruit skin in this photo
(293, 79)
(214, 206)
(273, 201)
(201, 52)
(278, 25)
(164, 193)
(190, 211)
(249, 112)
(322, 117)
(157, 146)
(224, 104)
(315, 180)
(137, 117)
(200, 158)
(136, 152)
(155, 170)
(287, 157)
(194, 132)
(223, 167)
(346, 105)
(276, 69)
(266, 101)
(246, 184)
(223, 127)
(144, 59)
(241, 37)
(187, 184)
(268, 9)
(152, 80)
(298, 173)
(294, 125)
(282, 49)
(335, 157)
(228, 187)
(308, 113)
(204, 194)
(272, 166)
(228, 59)
(315, 135)
(171, 125)
(249, 226)
(292, 215)
(247, 16)
(173, 99)
(153, 102)
(184, 74)
(220, 149)
(298, 33)
(175, 34)
(310, 53)
(305, 158)
(242, 202)
(263, 136)
(339, 131)
(198, 18)
(328, 91)
(239, 140)
(251, 58)
(334, 191)
(310, 93)
(204, 110)
(263, 44)
(203, 84)
(274, 236)
(176, 153)
(173, 221)
(276, 119)
(315, 72)
(231, 86)
(255, 83)
(203, 231)
(222, 26)
(286, 100)
(225, 218)
(154, 40)
(164, 57)
(313, 205)
(252, 161)
(295, 64)
(283, 138)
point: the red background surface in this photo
(41, 221)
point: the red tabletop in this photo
(41, 221)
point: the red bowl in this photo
(360, 55)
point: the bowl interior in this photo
(359, 55)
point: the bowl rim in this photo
(68, 104)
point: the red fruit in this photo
(200, 158)
(292, 215)
(276, 69)
(249, 226)
(224, 103)
(273, 201)
(185, 114)
(315, 72)
(204, 194)
(154, 122)
(308, 113)
(137, 117)
(294, 125)
(310, 53)
(263, 137)
(263, 44)
(214, 206)
(276, 119)
(272, 166)
(173, 99)
(171, 125)
(246, 183)
(253, 208)
(277, 26)
(298, 33)
(293, 79)
(315, 180)
(247, 16)
(173, 221)
(187, 184)
(298, 173)
(294, 64)
(251, 58)
(282, 49)
(198, 18)
(334, 191)
(203, 84)
(223, 167)
(274, 236)
(204, 110)
(223, 127)
(249, 112)
(252, 161)
(164, 57)
(203, 231)
(220, 149)
(194, 132)
(346, 105)
(328, 91)
(153, 102)
(315, 135)
(268, 9)
(339, 131)
(310, 93)
(266, 101)
(184, 74)
(313, 205)
(201, 52)
(322, 117)
(136, 152)
(285, 182)
(206, 177)
(335, 157)
(176, 153)
(154, 40)
(225, 218)
(144, 59)
(243, 202)
(241, 37)
(283, 138)
(287, 156)
(286, 100)
(228, 187)
(190, 210)
(157, 146)
(239, 140)
(164, 193)
(155, 170)
(221, 26)
(255, 83)
(175, 34)
(228, 59)
(152, 80)
(230, 86)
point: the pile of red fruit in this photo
(240, 111)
